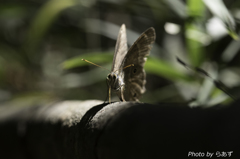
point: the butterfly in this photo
(127, 77)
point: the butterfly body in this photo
(127, 77)
(115, 81)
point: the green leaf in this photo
(205, 91)
(153, 65)
(195, 47)
(231, 51)
(219, 99)
(178, 7)
(29, 99)
(44, 18)
(195, 8)
(218, 8)
(97, 58)
(164, 69)
(196, 39)
(12, 11)
(233, 34)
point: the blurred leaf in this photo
(28, 99)
(188, 90)
(219, 99)
(212, 92)
(159, 8)
(2, 69)
(233, 34)
(73, 80)
(101, 27)
(195, 8)
(152, 65)
(206, 88)
(196, 38)
(195, 46)
(218, 8)
(45, 17)
(167, 92)
(178, 7)
(12, 10)
(235, 91)
(205, 91)
(111, 30)
(162, 68)
(97, 58)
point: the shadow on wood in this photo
(120, 130)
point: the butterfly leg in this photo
(121, 90)
(122, 97)
(109, 94)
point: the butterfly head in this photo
(114, 80)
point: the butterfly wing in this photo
(120, 49)
(135, 77)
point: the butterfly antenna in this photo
(125, 67)
(217, 83)
(95, 64)
(128, 66)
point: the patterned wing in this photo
(135, 77)
(120, 49)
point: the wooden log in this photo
(42, 131)
(120, 130)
